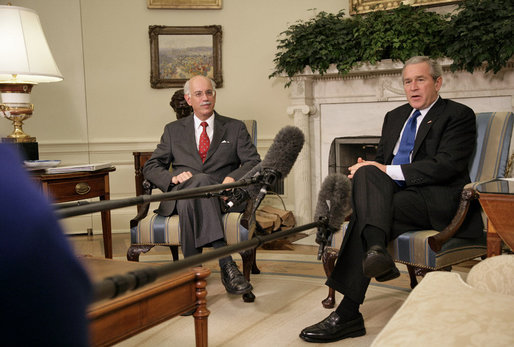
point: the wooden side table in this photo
(79, 186)
(114, 320)
(497, 200)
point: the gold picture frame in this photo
(178, 53)
(185, 4)
(364, 6)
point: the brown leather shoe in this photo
(233, 279)
(333, 329)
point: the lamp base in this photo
(28, 150)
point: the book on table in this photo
(77, 168)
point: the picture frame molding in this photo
(365, 6)
(154, 31)
(184, 4)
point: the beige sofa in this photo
(445, 310)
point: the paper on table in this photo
(76, 168)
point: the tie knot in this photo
(416, 114)
(204, 124)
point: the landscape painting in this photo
(178, 53)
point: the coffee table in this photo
(497, 200)
(114, 320)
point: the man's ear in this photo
(438, 83)
(188, 99)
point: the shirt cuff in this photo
(395, 172)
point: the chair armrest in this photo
(436, 242)
(143, 210)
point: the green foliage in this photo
(399, 34)
(480, 32)
(314, 43)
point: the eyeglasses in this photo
(208, 93)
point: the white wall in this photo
(105, 108)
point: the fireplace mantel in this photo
(332, 105)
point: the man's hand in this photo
(228, 180)
(360, 163)
(182, 177)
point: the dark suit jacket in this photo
(231, 153)
(444, 144)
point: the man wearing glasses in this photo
(204, 149)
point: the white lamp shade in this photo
(24, 51)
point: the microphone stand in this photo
(76, 209)
(114, 286)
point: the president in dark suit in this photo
(204, 149)
(414, 184)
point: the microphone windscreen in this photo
(284, 150)
(334, 200)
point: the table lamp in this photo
(25, 60)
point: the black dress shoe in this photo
(233, 279)
(379, 264)
(333, 329)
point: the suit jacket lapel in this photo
(190, 138)
(426, 124)
(219, 132)
(394, 134)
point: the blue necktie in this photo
(406, 143)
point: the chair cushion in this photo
(494, 132)
(445, 311)
(412, 248)
(165, 231)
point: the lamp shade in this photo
(24, 53)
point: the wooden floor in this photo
(280, 257)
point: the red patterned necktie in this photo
(203, 146)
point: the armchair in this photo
(430, 250)
(149, 230)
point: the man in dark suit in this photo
(414, 184)
(202, 150)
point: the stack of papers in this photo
(76, 168)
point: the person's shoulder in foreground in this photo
(45, 290)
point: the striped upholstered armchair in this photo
(148, 230)
(423, 251)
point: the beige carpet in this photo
(284, 305)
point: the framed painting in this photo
(185, 4)
(363, 6)
(181, 52)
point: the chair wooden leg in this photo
(174, 252)
(412, 275)
(134, 251)
(329, 259)
(248, 256)
(255, 269)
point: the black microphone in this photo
(277, 163)
(237, 196)
(334, 204)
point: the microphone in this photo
(237, 196)
(334, 204)
(277, 163)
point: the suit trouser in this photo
(380, 202)
(200, 219)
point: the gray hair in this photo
(186, 85)
(436, 70)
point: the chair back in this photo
(251, 126)
(494, 133)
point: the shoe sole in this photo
(237, 292)
(378, 266)
(356, 333)
(390, 275)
